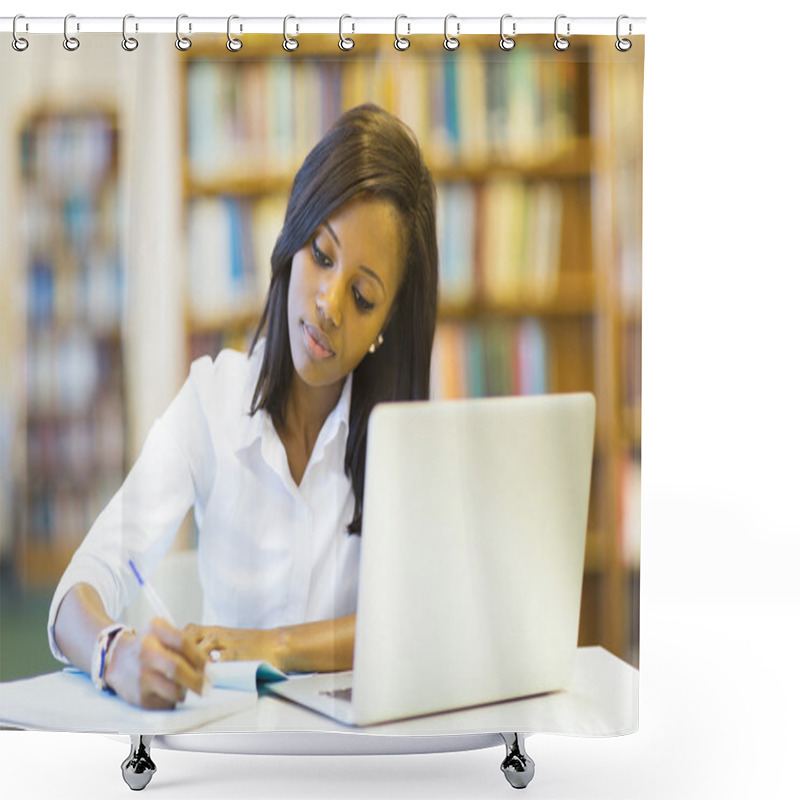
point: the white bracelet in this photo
(101, 655)
(110, 652)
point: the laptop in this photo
(473, 540)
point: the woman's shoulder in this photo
(226, 382)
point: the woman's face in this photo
(341, 288)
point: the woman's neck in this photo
(307, 408)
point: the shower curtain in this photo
(143, 191)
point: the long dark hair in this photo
(367, 151)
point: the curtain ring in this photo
(345, 42)
(450, 42)
(128, 42)
(18, 43)
(400, 42)
(506, 42)
(560, 43)
(289, 44)
(233, 44)
(71, 43)
(623, 45)
(182, 42)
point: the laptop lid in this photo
(474, 531)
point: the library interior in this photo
(141, 199)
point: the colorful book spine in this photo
(499, 358)
(75, 427)
(515, 108)
(230, 242)
(500, 241)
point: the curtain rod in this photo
(406, 26)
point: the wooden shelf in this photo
(59, 327)
(246, 184)
(571, 160)
(326, 45)
(632, 427)
(214, 323)
(40, 565)
(574, 295)
(597, 555)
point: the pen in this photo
(161, 609)
(155, 601)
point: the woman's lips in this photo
(317, 343)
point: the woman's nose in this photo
(329, 305)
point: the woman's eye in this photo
(319, 256)
(362, 301)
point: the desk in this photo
(602, 700)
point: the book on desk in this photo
(67, 701)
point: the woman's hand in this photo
(238, 644)
(324, 646)
(155, 670)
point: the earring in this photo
(376, 344)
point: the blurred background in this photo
(141, 194)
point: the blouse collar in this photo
(256, 426)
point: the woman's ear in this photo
(376, 344)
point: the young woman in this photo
(269, 448)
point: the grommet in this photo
(128, 42)
(506, 42)
(450, 42)
(400, 42)
(71, 43)
(560, 43)
(233, 44)
(289, 44)
(345, 42)
(18, 43)
(182, 42)
(623, 45)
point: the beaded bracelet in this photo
(101, 655)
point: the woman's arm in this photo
(152, 670)
(325, 646)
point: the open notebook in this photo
(67, 701)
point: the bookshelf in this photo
(74, 425)
(537, 159)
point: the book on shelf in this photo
(499, 257)
(456, 220)
(69, 153)
(267, 221)
(542, 241)
(64, 371)
(502, 357)
(230, 241)
(469, 109)
(530, 365)
(500, 242)
(523, 112)
(210, 342)
(75, 463)
(631, 346)
(74, 431)
(631, 509)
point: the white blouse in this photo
(270, 552)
